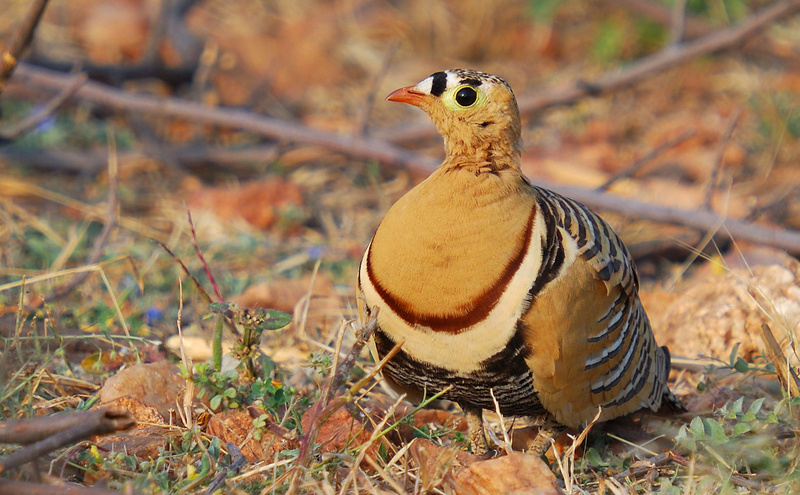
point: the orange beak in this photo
(409, 95)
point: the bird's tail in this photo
(670, 403)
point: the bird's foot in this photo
(548, 431)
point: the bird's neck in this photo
(498, 153)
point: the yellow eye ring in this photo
(466, 96)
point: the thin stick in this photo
(506, 441)
(703, 220)
(638, 164)
(723, 145)
(97, 422)
(20, 41)
(12, 487)
(194, 280)
(234, 118)
(199, 253)
(678, 22)
(37, 116)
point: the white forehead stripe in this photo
(425, 85)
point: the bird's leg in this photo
(548, 430)
(477, 437)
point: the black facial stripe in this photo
(472, 82)
(439, 83)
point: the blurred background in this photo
(282, 222)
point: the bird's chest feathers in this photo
(451, 264)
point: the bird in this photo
(503, 294)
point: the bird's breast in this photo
(450, 275)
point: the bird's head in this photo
(476, 114)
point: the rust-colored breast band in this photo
(480, 306)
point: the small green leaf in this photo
(734, 353)
(741, 365)
(738, 405)
(219, 307)
(593, 458)
(215, 402)
(682, 438)
(755, 407)
(771, 418)
(740, 429)
(697, 428)
(274, 320)
(715, 431)
(383, 452)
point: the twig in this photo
(194, 280)
(735, 478)
(633, 73)
(202, 258)
(740, 230)
(665, 59)
(12, 487)
(723, 145)
(638, 164)
(203, 293)
(30, 430)
(678, 22)
(110, 224)
(235, 118)
(20, 40)
(647, 465)
(774, 354)
(89, 162)
(97, 422)
(32, 120)
(665, 15)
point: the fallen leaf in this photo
(515, 473)
(260, 203)
(234, 425)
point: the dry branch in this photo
(234, 118)
(20, 40)
(703, 220)
(29, 430)
(635, 72)
(631, 170)
(12, 487)
(375, 149)
(665, 15)
(97, 422)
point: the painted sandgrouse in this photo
(498, 287)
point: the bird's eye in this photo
(466, 96)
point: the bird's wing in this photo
(591, 340)
(597, 243)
